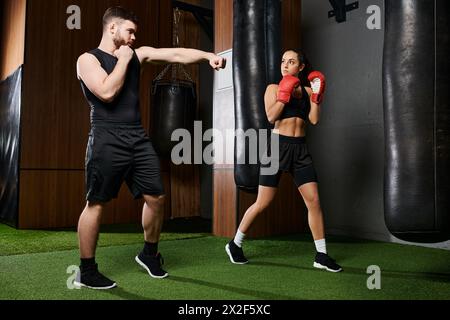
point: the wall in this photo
(348, 144)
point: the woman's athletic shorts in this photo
(293, 158)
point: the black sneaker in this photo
(235, 253)
(152, 264)
(91, 278)
(323, 261)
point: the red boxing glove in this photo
(286, 87)
(317, 80)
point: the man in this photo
(118, 148)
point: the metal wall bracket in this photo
(340, 9)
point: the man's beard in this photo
(118, 41)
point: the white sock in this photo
(321, 246)
(239, 238)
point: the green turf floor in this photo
(14, 242)
(280, 268)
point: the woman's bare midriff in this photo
(291, 127)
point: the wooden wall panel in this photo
(185, 191)
(286, 214)
(150, 33)
(163, 30)
(223, 25)
(125, 209)
(189, 36)
(55, 115)
(50, 199)
(168, 197)
(224, 221)
(12, 36)
(291, 26)
(55, 199)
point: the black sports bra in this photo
(297, 108)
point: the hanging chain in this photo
(183, 70)
(176, 27)
(163, 73)
(176, 36)
(177, 14)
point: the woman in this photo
(290, 105)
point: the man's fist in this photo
(217, 62)
(286, 87)
(124, 53)
(317, 80)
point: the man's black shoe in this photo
(90, 277)
(152, 264)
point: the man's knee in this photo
(97, 206)
(155, 202)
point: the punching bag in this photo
(257, 58)
(174, 106)
(416, 87)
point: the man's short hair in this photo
(121, 13)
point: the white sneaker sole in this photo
(319, 266)
(148, 270)
(227, 249)
(79, 284)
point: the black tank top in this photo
(297, 108)
(125, 107)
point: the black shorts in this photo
(293, 158)
(118, 153)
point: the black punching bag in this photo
(256, 64)
(416, 87)
(174, 107)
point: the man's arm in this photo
(103, 86)
(179, 55)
